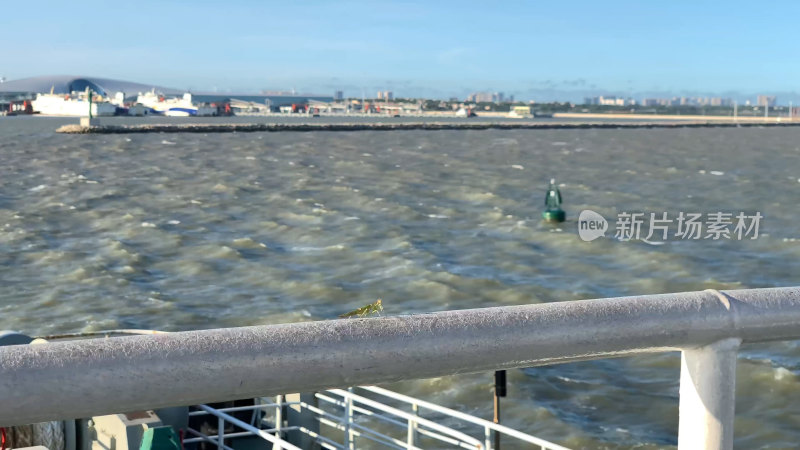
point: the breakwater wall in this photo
(384, 126)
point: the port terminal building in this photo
(27, 88)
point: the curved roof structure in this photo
(65, 84)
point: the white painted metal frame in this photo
(488, 426)
(354, 405)
(416, 425)
(84, 378)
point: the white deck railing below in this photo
(91, 377)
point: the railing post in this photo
(278, 419)
(412, 427)
(220, 433)
(500, 389)
(708, 396)
(301, 415)
(348, 419)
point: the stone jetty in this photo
(387, 126)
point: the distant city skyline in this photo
(533, 51)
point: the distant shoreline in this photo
(741, 119)
(387, 126)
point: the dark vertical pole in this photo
(499, 391)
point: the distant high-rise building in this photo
(766, 100)
(610, 101)
(499, 97)
(385, 95)
(482, 97)
(717, 101)
(338, 96)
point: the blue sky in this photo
(415, 48)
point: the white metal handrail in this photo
(487, 425)
(413, 423)
(348, 424)
(252, 429)
(264, 434)
(145, 372)
(460, 437)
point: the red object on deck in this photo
(16, 108)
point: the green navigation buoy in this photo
(552, 201)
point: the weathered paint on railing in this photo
(100, 376)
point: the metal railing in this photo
(349, 408)
(487, 427)
(100, 376)
(272, 435)
(355, 404)
(417, 426)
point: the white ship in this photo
(176, 107)
(71, 105)
(520, 112)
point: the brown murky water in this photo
(179, 232)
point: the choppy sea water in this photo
(189, 231)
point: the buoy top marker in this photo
(552, 202)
